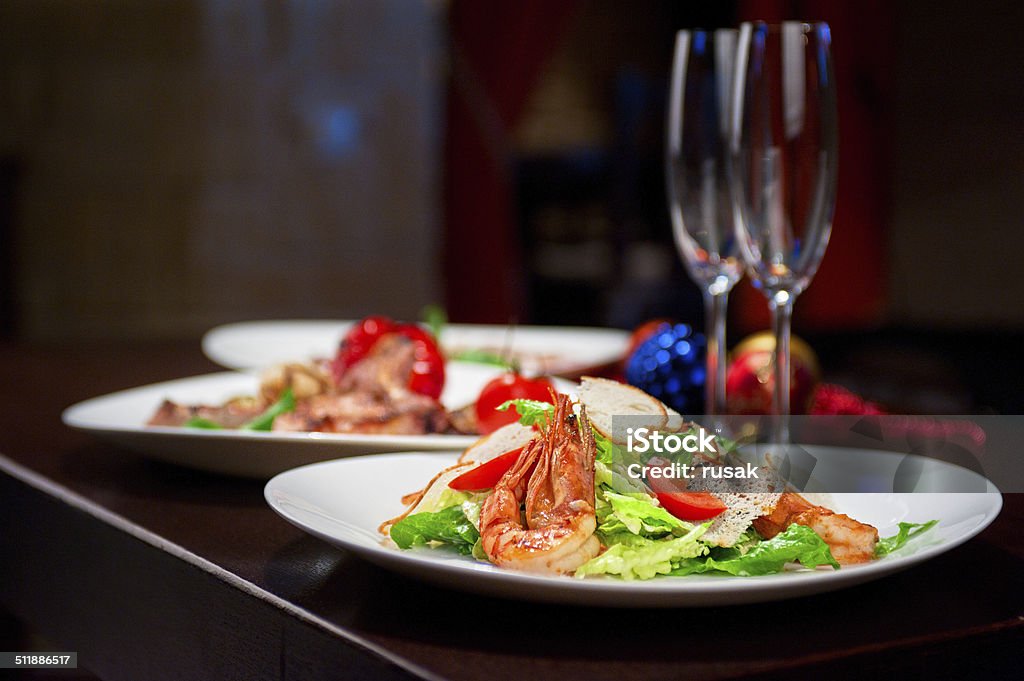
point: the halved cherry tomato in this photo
(427, 375)
(508, 386)
(486, 475)
(691, 505)
(683, 505)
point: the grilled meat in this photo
(365, 412)
(234, 414)
(372, 397)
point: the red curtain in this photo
(498, 50)
(850, 286)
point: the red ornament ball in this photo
(750, 378)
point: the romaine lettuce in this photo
(797, 543)
(609, 478)
(907, 531)
(531, 412)
(448, 526)
(641, 558)
(638, 514)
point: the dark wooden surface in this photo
(133, 610)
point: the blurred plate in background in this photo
(121, 418)
(538, 349)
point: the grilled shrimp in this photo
(851, 541)
(555, 474)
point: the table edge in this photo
(43, 484)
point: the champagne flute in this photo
(697, 174)
(783, 163)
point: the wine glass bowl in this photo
(784, 157)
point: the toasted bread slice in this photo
(605, 399)
(504, 439)
(676, 422)
(429, 496)
(746, 500)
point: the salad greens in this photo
(907, 531)
(797, 544)
(263, 421)
(435, 318)
(448, 526)
(636, 513)
(640, 558)
(200, 422)
(531, 412)
(642, 540)
(479, 356)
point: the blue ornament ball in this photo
(670, 365)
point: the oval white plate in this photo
(258, 344)
(120, 417)
(343, 502)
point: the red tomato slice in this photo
(509, 386)
(486, 475)
(691, 505)
(683, 505)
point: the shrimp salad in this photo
(550, 494)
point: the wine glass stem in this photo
(715, 305)
(781, 304)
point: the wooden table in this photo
(150, 571)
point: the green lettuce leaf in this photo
(265, 421)
(906, 532)
(200, 422)
(605, 449)
(531, 412)
(471, 509)
(798, 544)
(611, 478)
(638, 514)
(478, 356)
(448, 526)
(435, 318)
(641, 558)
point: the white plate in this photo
(343, 502)
(120, 417)
(544, 350)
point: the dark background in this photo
(165, 167)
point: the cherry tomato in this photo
(683, 505)
(427, 375)
(486, 475)
(508, 386)
(428, 370)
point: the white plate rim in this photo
(75, 416)
(255, 454)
